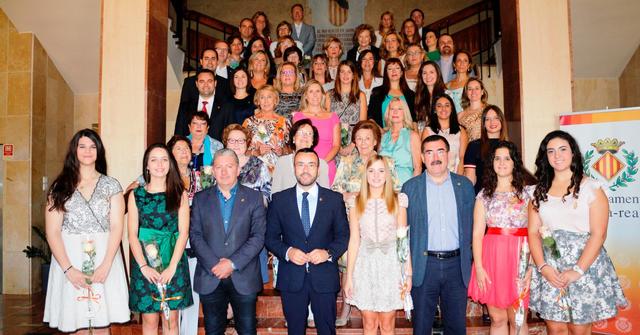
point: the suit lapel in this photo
(457, 190)
(236, 211)
(319, 209)
(216, 218)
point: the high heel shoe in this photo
(342, 321)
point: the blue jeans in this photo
(442, 282)
(214, 308)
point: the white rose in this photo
(88, 246)
(207, 169)
(402, 232)
(152, 251)
(544, 231)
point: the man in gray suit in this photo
(302, 32)
(440, 215)
(227, 233)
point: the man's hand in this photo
(297, 257)
(223, 269)
(318, 256)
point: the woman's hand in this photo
(406, 288)
(101, 273)
(348, 289)
(553, 277)
(264, 149)
(150, 274)
(482, 279)
(77, 278)
(167, 274)
(347, 150)
(569, 276)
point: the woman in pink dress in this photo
(313, 107)
(499, 234)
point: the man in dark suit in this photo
(440, 215)
(302, 32)
(209, 61)
(307, 230)
(207, 101)
(227, 233)
(417, 15)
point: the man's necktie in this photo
(306, 221)
(204, 106)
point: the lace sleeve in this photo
(403, 200)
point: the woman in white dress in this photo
(577, 284)
(84, 220)
(374, 272)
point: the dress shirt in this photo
(209, 101)
(442, 213)
(226, 205)
(312, 198)
(222, 72)
(446, 67)
(298, 28)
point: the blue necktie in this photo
(306, 221)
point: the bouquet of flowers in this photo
(263, 134)
(205, 176)
(523, 291)
(550, 245)
(402, 249)
(152, 251)
(88, 268)
(344, 134)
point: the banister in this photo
(460, 16)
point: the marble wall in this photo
(36, 105)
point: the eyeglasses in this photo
(414, 53)
(304, 133)
(288, 72)
(236, 141)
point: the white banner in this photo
(331, 19)
(610, 145)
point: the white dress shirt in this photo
(209, 101)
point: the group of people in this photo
(322, 176)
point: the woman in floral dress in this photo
(578, 285)
(158, 232)
(269, 131)
(499, 237)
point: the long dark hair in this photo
(484, 135)
(434, 123)
(354, 92)
(490, 178)
(545, 173)
(386, 82)
(65, 184)
(424, 99)
(173, 182)
(374, 71)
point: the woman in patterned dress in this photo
(499, 235)
(348, 102)
(374, 271)
(579, 287)
(158, 231)
(288, 85)
(84, 205)
(269, 131)
(474, 100)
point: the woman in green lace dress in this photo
(158, 232)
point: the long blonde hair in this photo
(407, 120)
(305, 91)
(388, 194)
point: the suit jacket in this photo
(329, 230)
(307, 37)
(377, 98)
(416, 190)
(241, 244)
(189, 104)
(353, 52)
(190, 90)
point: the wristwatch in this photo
(330, 258)
(578, 269)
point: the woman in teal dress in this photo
(158, 231)
(400, 142)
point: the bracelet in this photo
(542, 266)
(69, 268)
(141, 266)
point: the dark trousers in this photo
(323, 306)
(443, 282)
(214, 308)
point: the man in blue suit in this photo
(227, 233)
(440, 215)
(307, 230)
(302, 32)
